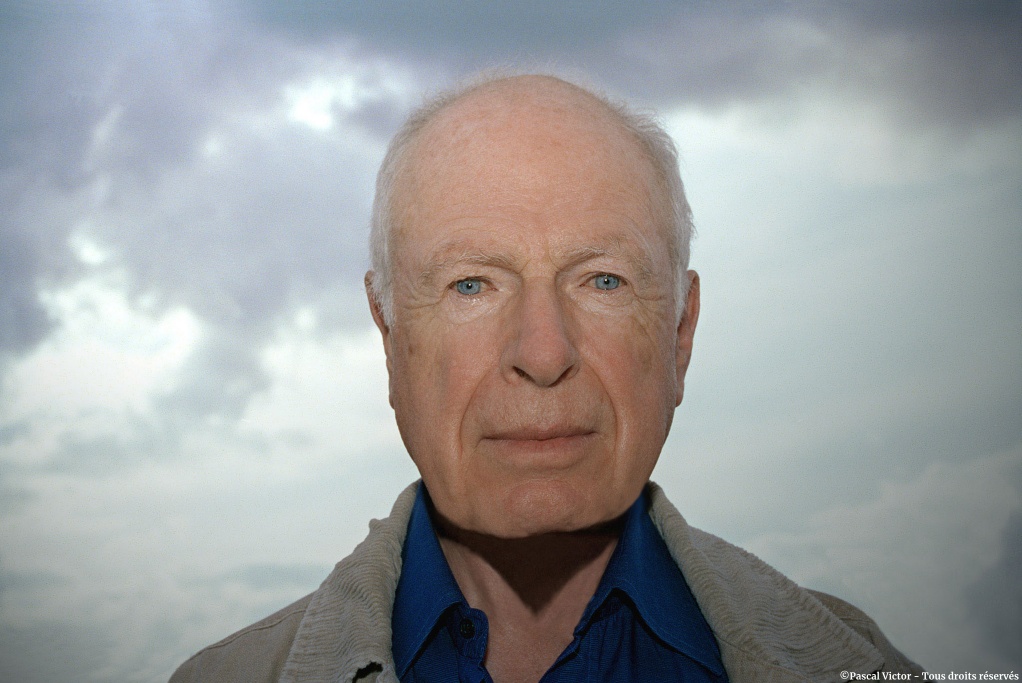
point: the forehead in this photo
(527, 149)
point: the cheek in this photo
(413, 382)
(634, 346)
(635, 363)
(659, 341)
(436, 372)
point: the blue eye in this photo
(468, 286)
(607, 281)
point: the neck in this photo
(533, 590)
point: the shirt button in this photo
(467, 628)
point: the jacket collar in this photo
(768, 628)
(425, 589)
(345, 633)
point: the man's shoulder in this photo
(763, 621)
(255, 653)
(748, 574)
(864, 625)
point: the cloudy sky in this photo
(193, 417)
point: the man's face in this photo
(535, 355)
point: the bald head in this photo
(523, 116)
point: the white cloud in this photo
(313, 104)
(88, 251)
(342, 86)
(331, 389)
(108, 357)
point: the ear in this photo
(687, 332)
(383, 327)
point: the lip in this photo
(539, 434)
(541, 449)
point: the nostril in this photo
(544, 380)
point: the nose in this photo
(540, 350)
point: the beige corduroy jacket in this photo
(769, 630)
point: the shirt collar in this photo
(425, 590)
(642, 568)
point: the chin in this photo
(545, 507)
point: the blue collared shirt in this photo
(642, 624)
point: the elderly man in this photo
(530, 249)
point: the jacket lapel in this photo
(345, 634)
(767, 627)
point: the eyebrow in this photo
(450, 256)
(574, 257)
(643, 266)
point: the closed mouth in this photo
(539, 434)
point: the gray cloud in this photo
(23, 322)
(13, 499)
(47, 104)
(944, 62)
(107, 116)
(15, 582)
(218, 380)
(45, 651)
(996, 599)
(52, 651)
(112, 452)
(280, 576)
(280, 218)
(930, 63)
(466, 30)
(80, 644)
